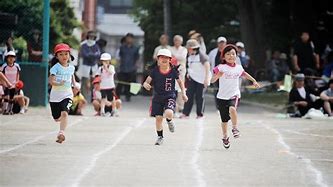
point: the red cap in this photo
(97, 80)
(61, 47)
(19, 85)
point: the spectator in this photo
(129, 56)
(90, 54)
(179, 53)
(327, 97)
(243, 57)
(9, 46)
(299, 96)
(199, 78)
(97, 98)
(215, 59)
(197, 36)
(79, 102)
(34, 47)
(328, 67)
(21, 102)
(12, 72)
(305, 55)
(276, 67)
(102, 45)
(164, 44)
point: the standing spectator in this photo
(198, 37)
(9, 46)
(243, 57)
(35, 47)
(90, 53)
(199, 78)
(327, 97)
(102, 45)
(180, 53)
(164, 44)
(215, 59)
(129, 55)
(12, 72)
(305, 55)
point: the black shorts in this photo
(223, 106)
(158, 107)
(10, 92)
(108, 94)
(58, 107)
(16, 108)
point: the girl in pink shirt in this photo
(228, 74)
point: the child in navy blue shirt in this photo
(164, 97)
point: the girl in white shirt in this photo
(228, 95)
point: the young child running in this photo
(106, 72)
(164, 97)
(228, 94)
(11, 70)
(61, 79)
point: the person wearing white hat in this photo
(199, 78)
(11, 70)
(79, 102)
(164, 77)
(215, 58)
(107, 86)
(243, 57)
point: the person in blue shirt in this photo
(163, 77)
(61, 79)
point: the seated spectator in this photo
(21, 102)
(327, 97)
(79, 102)
(277, 67)
(300, 96)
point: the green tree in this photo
(30, 16)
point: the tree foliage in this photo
(30, 16)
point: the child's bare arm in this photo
(182, 87)
(216, 76)
(249, 77)
(53, 82)
(147, 82)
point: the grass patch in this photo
(278, 99)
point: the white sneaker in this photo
(171, 126)
(22, 111)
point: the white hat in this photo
(221, 39)
(105, 56)
(164, 52)
(10, 53)
(240, 44)
(77, 85)
(192, 43)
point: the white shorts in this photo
(87, 71)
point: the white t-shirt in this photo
(180, 54)
(107, 77)
(196, 68)
(302, 92)
(61, 73)
(229, 82)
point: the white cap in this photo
(164, 52)
(221, 39)
(10, 53)
(77, 85)
(105, 56)
(240, 44)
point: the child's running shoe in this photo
(171, 126)
(235, 132)
(226, 143)
(60, 137)
(159, 140)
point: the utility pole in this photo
(46, 34)
(167, 18)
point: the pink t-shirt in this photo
(11, 72)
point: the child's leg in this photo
(63, 120)
(168, 114)
(103, 106)
(159, 126)
(233, 115)
(97, 105)
(224, 129)
(327, 107)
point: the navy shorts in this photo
(107, 94)
(58, 107)
(159, 106)
(223, 107)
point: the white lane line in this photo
(96, 156)
(37, 138)
(308, 163)
(308, 134)
(195, 158)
